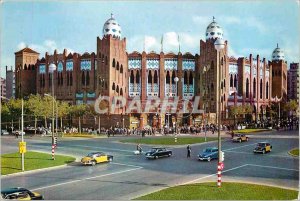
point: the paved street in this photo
(129, 176)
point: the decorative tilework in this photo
(60, 67)
(173, 88)
(185, 88)
(261, 72)
(152, 63)
(267, 73)
(188, 64)
(69, 65)
(170, 64)
(233, 68)
(254, 70)
(156, 88)
(134, 63)
(42, 69)
(85, 64)
(247, 69)
(79, 95)
(191, 88)
(79, 102)
(91, 95)
(149, 88)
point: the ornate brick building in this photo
(112, 71)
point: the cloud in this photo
(257, 24)
(47, 46)
(201, 20)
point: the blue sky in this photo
(249, 26)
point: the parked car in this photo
(96, 157)
(262, 147)
(240, 138)
(20, 194)
(17, 132)
(158, 152)
(4, 132)
(209, 154)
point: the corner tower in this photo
(279, 74)
(112, 66)
(210, 62)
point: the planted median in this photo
(169, 140)
(11, 163)
(228, 191)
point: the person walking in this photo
(189, 149)
(139, 148)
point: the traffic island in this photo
(169, 140)
(294, 152)
(228, 191)
(11, 163)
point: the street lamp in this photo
(277, 100)
(52, 68)
(176, 79)
(205, 69)
(219, 45)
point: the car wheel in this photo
(169, 154)
(247, 139)
(208, 159)
(270, 150)
(93, 163)
(156, 157)
(240, 140)
(110, 159)
(264, 151)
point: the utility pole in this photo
(22, 133)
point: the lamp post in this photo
(101, 85)
(176, 79)
(52, 68)
(277, 100)
(219, 45)
(205, 69)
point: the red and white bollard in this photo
(220, 167)
(53, 147)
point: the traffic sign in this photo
(22, 147)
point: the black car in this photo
(20, 194)
(157, 152)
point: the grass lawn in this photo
(169, 140)
(228, 191)
(294, 152)
(250, 130)
(11, 163)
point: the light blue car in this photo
(209, 154)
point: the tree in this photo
(5, 113)
(15, 109)
(234, 111)
(291, 106)
(46, 108)
(79, 111)
(35, 106)
(62, 110)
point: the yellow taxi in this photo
(20, 194)
(240, 138)
(96, 157)
(263, 147)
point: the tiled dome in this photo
(277, 54)
(214, 30)
(112, 27)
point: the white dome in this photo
(214, 30)
(112, 27)
(278, 54)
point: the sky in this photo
(250, 27)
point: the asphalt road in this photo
(129, 175)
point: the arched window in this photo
(33, 67)
(231, 81)
(82, 78)
(113, 86)
(29, 67)
(41, 81)
(71, 79)
(267, 90)
(25, 67)
(260, 89)
(137, 77)
(224, 83)
(191, 79)
(87, 78)
(106, 60)
(155, 77)
(117, 90)
(212, 65)
(121, 92)
(131, 77)
(212, 86)
(149, 77)
(254, 88)
(273, 73)
(173, 78)
(121, 69)
(168, 78)
(118, 66)
(61, 79)
(235, 81)
(185, 78)
(114, 63)
(247, 88)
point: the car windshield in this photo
(154, 150)
(208, 150)
(261, 144)
(91, 154)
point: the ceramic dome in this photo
(214, 30)
(112, 27)
(277, 54)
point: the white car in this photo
(18, 132)
(4, 132)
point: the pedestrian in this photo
(139, 148)
(189, 149)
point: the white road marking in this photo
(239, 147)
(77, 180)
(280, 168)
(214, 174)
(126, 165)
(267, 155)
